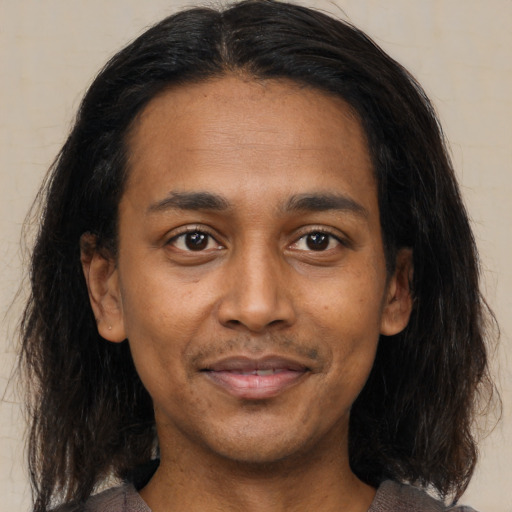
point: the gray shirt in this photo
(390, 497)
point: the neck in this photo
(319, 480)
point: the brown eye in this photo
(196, 241)
(318, 241)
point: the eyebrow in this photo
(297, 203)
(190, 201)
(325, 202)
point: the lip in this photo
(256, 379)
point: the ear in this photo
(102, 280)
(398, 303)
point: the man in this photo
(255, 284)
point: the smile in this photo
(261, 373)
(255, 379)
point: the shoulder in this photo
(395, 497)
(118, 499)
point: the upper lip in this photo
(248, 364)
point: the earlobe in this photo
(102, 280)
(399, 300)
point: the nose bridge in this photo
(256, 296)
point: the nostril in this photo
(256, 301)
(255, 324)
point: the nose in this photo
(257, 294)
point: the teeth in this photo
(261, 373)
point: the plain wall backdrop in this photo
(459, 50)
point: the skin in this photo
(291, 268)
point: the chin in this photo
(260, 449)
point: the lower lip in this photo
(255, 387)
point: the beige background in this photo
(458, 49)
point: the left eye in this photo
(316, 241)
(194, 241)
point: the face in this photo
(251, 281)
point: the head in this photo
(412, 419)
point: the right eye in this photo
(195, 240)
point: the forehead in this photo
(191, 136)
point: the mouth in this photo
(255, 379)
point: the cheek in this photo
(351, 304)
(348, 320)
(352, 357)
(158, 305)
(163, 317)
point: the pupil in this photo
(317, 241)
(196, 241)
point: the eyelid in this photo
(342, 239)
(192, 228)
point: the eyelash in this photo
(323, 233)
(193, 230)
(211, 237)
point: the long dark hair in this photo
(91, 416)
